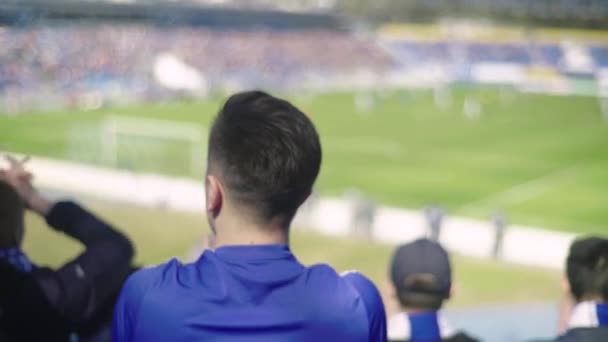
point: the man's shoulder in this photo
(350, 285)
(323, 269)
(352, 298)
(367, 291)
(327, 271)
(322, 275)
(363, 285)
(154, 276)
(146, 284)
(352, 279)
(356, 277)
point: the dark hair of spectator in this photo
(587, 268)
(12, 211)
(420, 291)
(266, 152)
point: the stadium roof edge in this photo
(28, 11)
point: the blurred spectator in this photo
(366, 214)
(73, 301)
(413, 53)
(264, 157)
(434, 217)
(363, 213)
(421, 277)
(499, 221)
(585, 304)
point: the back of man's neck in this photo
(251, 235)
(234, 229)
(249, 240)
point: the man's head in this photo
(587, 269)
(421, 275)
(12, 213)
(264, 157)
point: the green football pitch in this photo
(159, 235)
(541, 159)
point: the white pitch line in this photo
(521, 192)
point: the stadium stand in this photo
(76, 55)
(75, 59)
(61, 52)
(412, 52)
(66, 49)
(600, 55)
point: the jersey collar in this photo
(254, 252)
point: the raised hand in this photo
(19, 178)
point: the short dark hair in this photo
(12, 211)
(421, 292)
(587, 268)
(267, 152)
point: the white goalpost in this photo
(602, 85)
(120, 132)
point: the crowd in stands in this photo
(69, 60)
(264, 158)
(75, 56)
(413, 53)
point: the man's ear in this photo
(215, 196)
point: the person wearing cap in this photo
(421, 277)
(584, 309)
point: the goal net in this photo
(142, 144)
(602, 85)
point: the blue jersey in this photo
(248, 293)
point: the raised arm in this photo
(82, 286)
(376, 315)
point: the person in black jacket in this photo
(73, 302)
(421, 277)
(585, 304)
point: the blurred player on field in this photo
(434, 218)
(499, 222)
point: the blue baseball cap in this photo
(421, 259)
